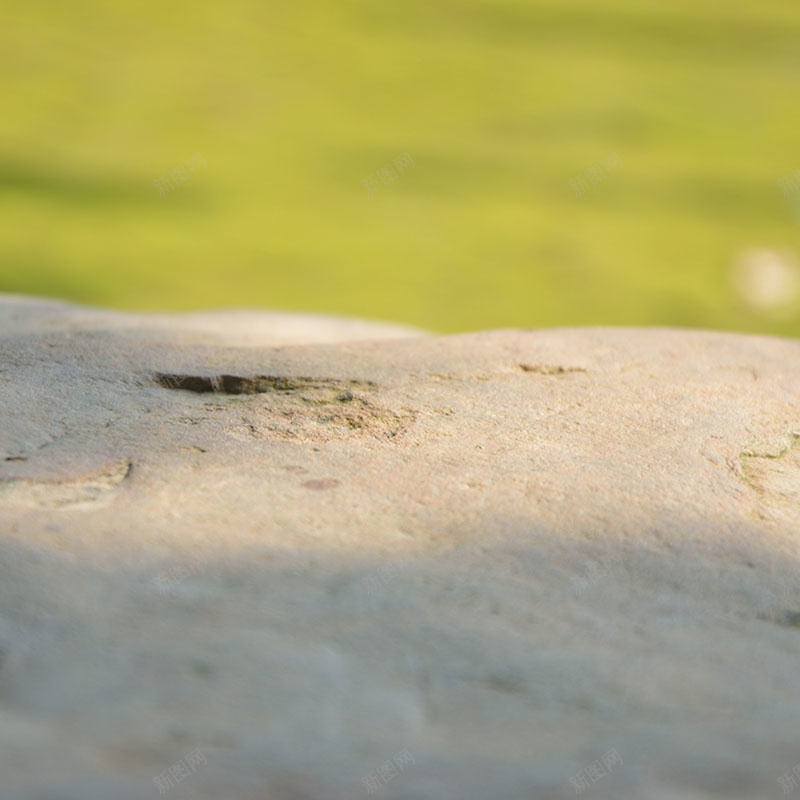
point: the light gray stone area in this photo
(504, 554)
(242, 328)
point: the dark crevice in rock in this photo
(550, 369)
(312, 409)
(256, 384)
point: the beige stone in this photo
(506, 554)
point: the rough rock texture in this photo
(507, 554)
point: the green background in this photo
(500, 103)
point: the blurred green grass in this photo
(499, 102)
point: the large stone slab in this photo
(503, 555)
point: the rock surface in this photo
(235, 328)
(504, 555)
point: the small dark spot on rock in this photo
(509, 684)
(345, 397)
(295, 468)
(791, 619)
(178, 734)
(202, 668)
(326, 483)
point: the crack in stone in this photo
(550, 369)
(255, 384)
(300, 407)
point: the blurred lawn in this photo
(500, 103)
